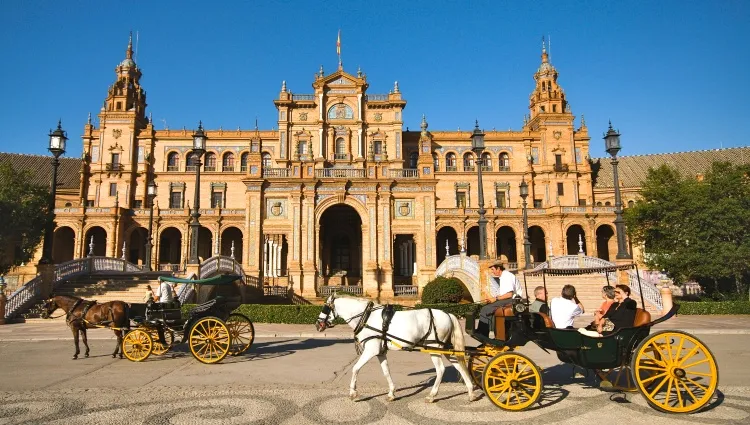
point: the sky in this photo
(671, 75)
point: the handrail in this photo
(220, 264)
(650, 292)
(23, 297)
(456, 262)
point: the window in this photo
(217, 200)
(598, 204)
(450, 162)
(413, 157)
(558, 161)
(210, 164)
(266, 160)
(486, 162)
(460, 199)
(227, 163)
(578, 155)
(377, 147)
(535, 155)
(504, 162)
(175, 199)
(500, 199)
(173, 161)
(243, 161)
(468, 162)
(581, 202)
(138, 204)
(554, 108)
(115, 158)
(340, 149)
(436, 162)
(119, 106)
(89, 202)
(192, 162)
(537, 203)
(560, 189)
(68, 204)
(303, 147)
(631, 204)
(113, 189)
(607, 204)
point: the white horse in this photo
(425, 327)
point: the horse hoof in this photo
(391, 398)
(429, 400)
(87, 355)
(353, 395)
(114, 355)
(75, 357)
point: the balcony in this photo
(228, 168)
(561, 168)
(451, 168)
(406, 173)
(304, 97)
(113, 166)
(503, 168)
(173, 168)
(405, 290)
(243, 168)
(209, 168)
(486, 168)
(277, 172)
(340, 173)
(192, 168)
(470, 168)
(340, 156)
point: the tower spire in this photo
(129, 52)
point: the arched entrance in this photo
(604, 238)
(137, 246)
(449, 236)
(205, 244)
(100, 241)
(571, 236)
(63, 245)
(228, 236)
(505, 244)
(170, 246)
(472, 241)
(538, 249)
(341, 245)
(404, 259)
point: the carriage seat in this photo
(547, 321)
(642, 317)
(500, 314)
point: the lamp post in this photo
(524, 189)
(199, 148)
(612, 145)
(477, 146)
(150, 194)
(57, 141)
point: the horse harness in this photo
(385, 337)
(70, 317)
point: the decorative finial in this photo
(544, 48)
(359, 72)
(91, 247)
(283, 86)
(123, 251)
(583, 121)
(476, 124)
(117, 199)
(580, 244)
(321, 70)
(424, 122)
(610, 125)
(231, 251)
(447, 249)
(89, 121)
(150, 118)
(129, 52)
(200, 125)
(256, 124)
(395, 87)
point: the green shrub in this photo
(714, 307)
(443, 290)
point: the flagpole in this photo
(338, 51)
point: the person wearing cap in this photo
(503, 287)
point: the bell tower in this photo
(126, 94)
(548, 97)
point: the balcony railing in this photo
(228, 169)
(406, 173)
(209, 168)
(561, 168)
(503, 168)
(486, 168)
(469, 168)
(326, 291)
(113, 166)
(340, 173)
(191, 168)
(405, 290)
(341, 156)
(308, 97)
(173, 168)
(243, 168)
(376, 97)
(451, 168)
(277, 172)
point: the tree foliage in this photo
(443, 290)
(23, 216)
(696, 229)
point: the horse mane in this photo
(349, 296)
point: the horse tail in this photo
(457, 334)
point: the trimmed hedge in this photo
(308, 314)
(714, 307)
(443, 290)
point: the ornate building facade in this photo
(340, 194)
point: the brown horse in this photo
(81, 315)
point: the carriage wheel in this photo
(243, 333)
(617, 379)
(209, 340)
(512, 381)
(137, 345)
(160, 349)
(476, 366)
(675, 371)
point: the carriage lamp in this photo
(612, 145)
(524, 189)
(57, 141)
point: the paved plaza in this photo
(293, 375)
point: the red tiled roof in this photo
(40, 168)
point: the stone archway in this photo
(232, 235)
(472, 241)
(538, 247)
(505, 242)
(99, 236)
(63, 245)
(137, 246)
(446, 235)
(340, 245)
(205, 243)
(170, 246)
(604, 238)
(571, 238)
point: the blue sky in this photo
(671, 75)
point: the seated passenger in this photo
(540, 303)
(503, 287)
(608, 295)
(167, 293)
(149, 296)
(564, 309)
(621, 314)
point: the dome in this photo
(128, 63)
(545, 67)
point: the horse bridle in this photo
(45, 314)
(328, 308)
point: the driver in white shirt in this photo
(503, 287)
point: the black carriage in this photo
(673, 370)
(210, 329)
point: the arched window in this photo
(227, 163)
(450, 162)
(486, 162)
(302, 147)
(413, 157)
(192, 161)
(504, 162)
(210, 162)
(435, 161)
(266, 160)
(631, 203)
(598, 204)
(173, 161)
(340, 149)
(243, 161)
(607, 204)
(468, 162)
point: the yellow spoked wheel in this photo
(617, 379)
(675, 371)
(209, 340)
(476, 366)
(243, 333)
(137, 345)
(160, 349)
(512, 381)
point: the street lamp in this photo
(612, 145)
(477, 146)
(57, 141)
(150, 194)
(524, 189)
(199, 148)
